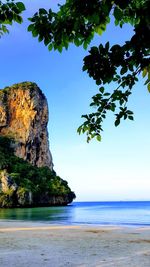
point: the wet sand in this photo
(24, 244)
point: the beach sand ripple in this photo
(36, 245)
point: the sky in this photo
(115, 169)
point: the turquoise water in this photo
(96, 213)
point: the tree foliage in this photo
(77, 22)
(40, 181)
(10, 12)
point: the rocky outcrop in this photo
(24, 148)
(7, 183)
(19, 194)
(24, 118)
(14, 195)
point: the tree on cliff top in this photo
(77, 22)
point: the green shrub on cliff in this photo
(41, 183)
(5, 152)
(6, 200)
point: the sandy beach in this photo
(31, 244)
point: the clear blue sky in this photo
(118, 167)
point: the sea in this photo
(120, 213)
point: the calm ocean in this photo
(87, 213)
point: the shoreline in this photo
(49, 224)
(37, 244)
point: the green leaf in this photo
(148, 87)
(99, 30)
(130, 118)
(79, 130)
(129, 112)
(101, 89)
(93, 135)
(98, 82)
(77, 42)
(40, 38)
(149, 74)
(88, 139)
(95, 18)
(107, 46)
(117, 122)
(18, 19)
(85, 45)
(46, 41)
(42, 11)
(4, 29)
(146, 82)
(144, 72)
(106, 94)
(123, 70)
(60, 48)
(118, 13)
(84, 68)
(30, 27)
(8, 21)
(50, 47)
(98, 137)
(35, 33)
(21, 6)
(112, 108)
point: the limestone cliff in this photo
(27, 177)
(24, 117)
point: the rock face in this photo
(24, 148)
(13, 192)
(7, 182)
(24, 118)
